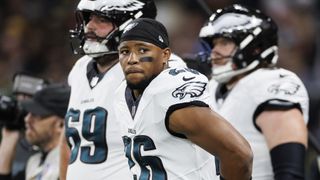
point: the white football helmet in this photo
(254, 33)
(119, 12)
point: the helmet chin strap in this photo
(223, 74)
(96, 49)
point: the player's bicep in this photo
(207, 129)
(282, 126)
(211, 132)
(184, 121)
(177, 125)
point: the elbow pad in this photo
(288, 161)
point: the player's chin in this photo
(133, 82)
(135, 77)
(137, 85)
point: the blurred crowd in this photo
(34, 38)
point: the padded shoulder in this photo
(77, 68)
(179, 85)
(277, 84)
(176, 62)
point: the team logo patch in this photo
(194, 89)
(160, 38)
(287, 88)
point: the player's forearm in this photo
(233, 151)
(235, 157)
(235, 166)
(7, 154)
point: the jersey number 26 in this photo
(151, 166)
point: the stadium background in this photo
(34, 38)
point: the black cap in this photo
(51, 100)
(147, 30)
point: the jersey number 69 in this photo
(94, 149)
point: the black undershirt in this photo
(132, 102)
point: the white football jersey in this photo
(240, 106)
(176, 61)
(97, 150)
(152, 151)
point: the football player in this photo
(267, 104)
(92, 147)
(164, 114)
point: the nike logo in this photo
(187, 79)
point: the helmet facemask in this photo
(103, 46)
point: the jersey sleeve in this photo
(279, 89)
(183, 86)
(179, 88)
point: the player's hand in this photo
(10, 136)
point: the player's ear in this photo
(166, 55)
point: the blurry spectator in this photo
(24, 87)
(43, 126)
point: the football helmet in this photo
(119, 12)
(254, 33)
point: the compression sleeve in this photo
(288, 161)
(5, 176)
